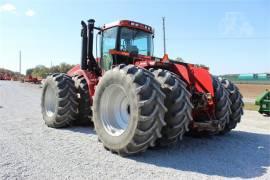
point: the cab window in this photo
(108, 43)
(136, 41)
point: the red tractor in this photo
(134, 99)
(31, 79)
(7, 77)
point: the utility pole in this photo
(20, 62)
(164, 35)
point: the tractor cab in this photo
(122, 41)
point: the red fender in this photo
(90, 77)
(194, 75)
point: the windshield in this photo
(136, 41)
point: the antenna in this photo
(164, 35)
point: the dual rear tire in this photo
(84, 100)
(236, 106)
(65, 101)
(59, 101)
(228, 107)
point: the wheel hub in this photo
(114, 110)
(49, 101)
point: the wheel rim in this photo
(114, 110)
(49, 101)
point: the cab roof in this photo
(131, 24)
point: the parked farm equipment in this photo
(263, 101)
(134, 99)
(5, 76)
(31, 79)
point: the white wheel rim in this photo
(114, 110)
(49, 101)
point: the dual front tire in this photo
(135, 109)
(128, 110)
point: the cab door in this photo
(109, 40)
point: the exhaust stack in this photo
(90, 33)
(88, 61)
(84, 46)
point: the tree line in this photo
(43, 71)
(8, 72)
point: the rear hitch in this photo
(212, 126)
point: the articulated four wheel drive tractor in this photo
(136, 100)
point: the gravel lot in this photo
(30, 150)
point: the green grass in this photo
(251, 106)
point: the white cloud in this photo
(7, 8)
(30, 12)
(236, 24)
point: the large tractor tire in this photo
(236, 106)
(128, 110)
(222, 103)
(59, 101)
(85, 112)
(179, 107)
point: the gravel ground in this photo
(30, 150)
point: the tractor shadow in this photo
(84, 129)
(237, 154)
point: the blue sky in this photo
(229, 36)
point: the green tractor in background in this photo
(263, 101)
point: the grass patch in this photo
(251, 106)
